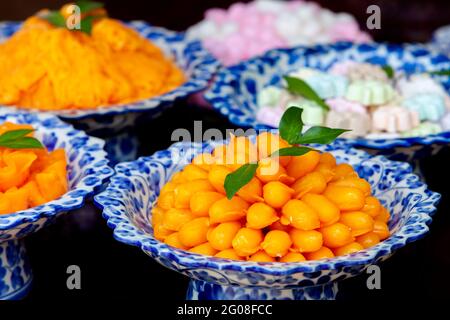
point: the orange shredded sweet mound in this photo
(306, 208)
(29, 177)
(49, 68)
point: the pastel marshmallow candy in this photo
(370, 92)
(272, 96)
(269, 24)
(367, 71)
(422, 83)
(313, 114)
(429, 106)
(328, 85)
(394, 119)
(358, 123)
(343, 105)
(424, 129)
(269, 116)
(342, 68)
(445, 122)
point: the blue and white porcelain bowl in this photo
(234, 90)
(128, 200)
(87, 170)
(114, 123)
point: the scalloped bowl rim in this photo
(123, 223)
(56, 206)
(205, 72)
(382, 144)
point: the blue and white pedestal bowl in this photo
(87, 170)
(116, 124)
(128, 200)
(234, 89)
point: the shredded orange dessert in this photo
(29, 177)
(50, 68)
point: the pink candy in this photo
(342, 68)
(343, 105)
(268, 24)
(269, 116)
(348, 31)
(394, 119)
(216, 15)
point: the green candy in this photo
(423, 129)
(370, 92)
(313, 114)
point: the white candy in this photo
(446, 122)
(344, 17)
(418, 84)
(203, 29)
(270, 96)
(269, 6)
(287, 25)
(228, 28)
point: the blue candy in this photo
(429, 106)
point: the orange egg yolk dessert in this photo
(29, 177)
(49, 68)
(307, 208)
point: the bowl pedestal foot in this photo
(15, 271)
(201, 290)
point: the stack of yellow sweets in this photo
(309, 208)
(49, 68)
(30, 177)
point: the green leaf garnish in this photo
(389, 71)
(440, 73)
(291, 151)
(299, 87)
(15, 134)
(87, 23)
(321, 135)
(86, 6)
(291, 125)
(239, 178)
(56, 19)
(17, 139)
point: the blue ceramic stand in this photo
(15, 272)
(201, 290)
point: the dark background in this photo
(402, 20)
(112, 270)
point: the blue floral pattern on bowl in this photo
(234, 90)
(87, 170)
(198, 66)
(128, 200)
